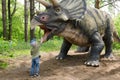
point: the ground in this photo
(72, 68)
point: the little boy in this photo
(34, 71)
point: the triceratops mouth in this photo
(47, 32)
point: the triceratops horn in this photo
(37, 12)
(54, 2)
(45, 3)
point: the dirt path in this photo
(72, 68)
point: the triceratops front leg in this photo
(96, 48)
(64, 50)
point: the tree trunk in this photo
(10, 15)
(31, 16)
(4, 17)
(39, 28)
(26, 20)
(9, 21)
(97, 4)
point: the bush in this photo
(117, 25)
(3, 65)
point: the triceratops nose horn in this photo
(45, 3)
(54, 2)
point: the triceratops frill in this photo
(75, 8)
(79, 25)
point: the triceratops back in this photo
(76, 8)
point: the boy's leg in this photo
(32, 68)
(37, 65)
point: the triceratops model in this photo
(78, 24)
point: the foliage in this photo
(3, 65)
(18, 24)
(117, 25)
(51, 45)
(6, 46)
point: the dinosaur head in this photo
(56, 16)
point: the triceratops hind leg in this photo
(64, 50)
(108, 49)
(108, 42)
(97, 46)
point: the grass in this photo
(22, 48)
(51, 45)
(3, 65)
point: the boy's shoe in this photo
(37, 74)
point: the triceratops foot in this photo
(93, 63)
(108, 57)
(61, 57)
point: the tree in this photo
(4, 17)
(31, 16)
(97, 4)
(10, 15)
(26, 20)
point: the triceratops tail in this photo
(116, 37)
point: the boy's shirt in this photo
(35, 51)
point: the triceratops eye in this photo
(57, 9)
(44, 18)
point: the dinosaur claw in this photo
(56, 58)
(92, 63)
(110, 57)
(60, 57)
(88, 64)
